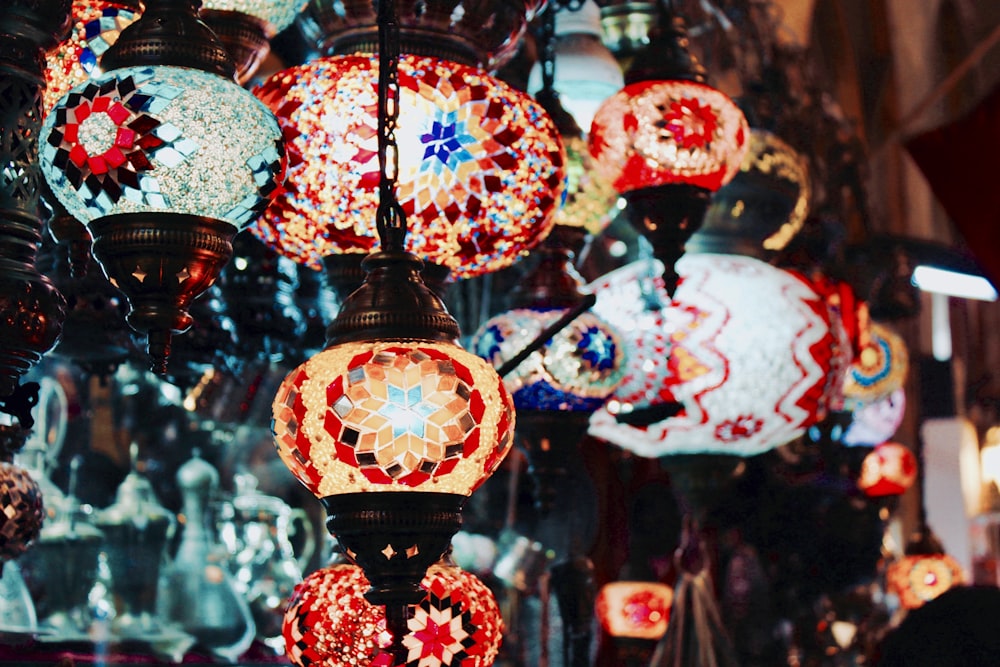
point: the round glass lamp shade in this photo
(577, 370)
(96, 26)
(21, 510)
(635, 609)
(737, 363)
(654, 133)
(888, 470)
(874, 423)
(481, 166)
(392, 416)
(328, 622)
(920, 578)
(880, 369)
(162, 139)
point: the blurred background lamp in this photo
(953, 283)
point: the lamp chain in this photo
(390, 220)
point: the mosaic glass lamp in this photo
(481, 167)
(164, 158)
(634, 609)
(880, 369)
(559, 362)
(918, 578)
(737, 363)
(666, 141)
(329, 622)
(888, 470)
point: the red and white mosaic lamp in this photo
(737, 363)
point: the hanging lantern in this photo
(874, 423)
(245, 28)
(21, 510)
(888, 470)
(763, 207)
(667, 141)
(880, 368)
(919, 578)
(31, 308)
(634, 609)
(481, 169)
(165, 160)
(738, 363)
(329, 623)
(573, 363)
(96, 26)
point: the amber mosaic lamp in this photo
(393, 425)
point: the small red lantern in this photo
(634, 609)
(888, 470)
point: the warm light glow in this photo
(888, 470)
(918, 579)
(989, 457)
(392, 416)
(637, 609)
(654, 133)
(328, 622)
(743, 351)
(953, 283)
(576, 370)
(481, 166)
(172, 139)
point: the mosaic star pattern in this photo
(654, 133)
(918, 579)
(481, 166)
(747, 357)
(162, 139)
(391, 416)
(576, 370)
(328, 623)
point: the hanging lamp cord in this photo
(390, 220)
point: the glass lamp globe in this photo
(875, 422)
(586, 73)
(96, 26)
(880, 368)
(919, 578)
(888, 470)
(737, 363)
(590, 200)
(162, 139)
(635, 609)
(655, 133)
(329, 623)
(577, 370)
(21, 510)
(275, 14)
(392, 416)
(481, 166)
(245, 27)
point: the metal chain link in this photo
(390, 220)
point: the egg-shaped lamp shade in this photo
(737, 363)
(576, 370)
(393, 416)
(634, 609)
(763, 207)
(880, 368)
(328, 622)
(874, 423)
(96, 26)
(162, 139)
(590, 199)
(888, 470)
(655, 133)
(481, 166)
(919, 578)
